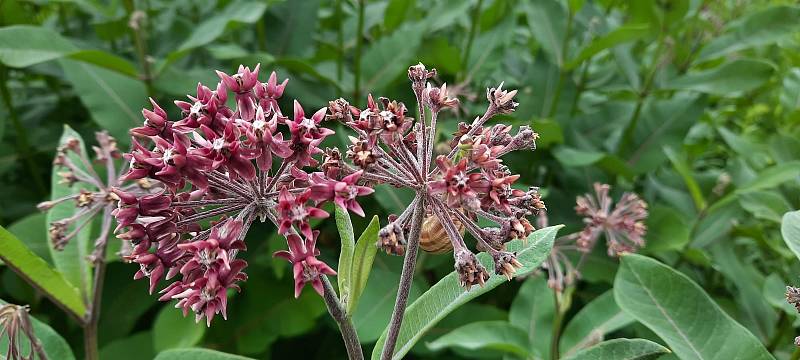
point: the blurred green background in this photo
(693, 104)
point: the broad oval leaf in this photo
(681, 313)
(790, 229)
(173, 330)
(532, 311)
(485, 335)
(197, 354)
(25, 45)
(621, 349)
(446, 295)
(70, 261)
(592, 323)
(39, 274)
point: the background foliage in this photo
(693, 104)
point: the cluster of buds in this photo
(215, 166)
(622, 224)
(17, 329)
(94, 194)
(793, 298)
(453, 189)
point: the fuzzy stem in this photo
(406, 277)
(349, 334)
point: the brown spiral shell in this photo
(434, 239)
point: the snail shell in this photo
(434, 239)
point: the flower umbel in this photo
(468, 183)
(215, 169)
(623, 225)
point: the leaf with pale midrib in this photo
(621, 349)
(681, 313)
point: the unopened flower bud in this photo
(391, 239)
(506, 264)
(418, 73)
(470, 270)
(502, 100)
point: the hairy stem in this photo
(346, 327)
(406, 278)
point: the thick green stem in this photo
(23, 145)
(349, 334)
(558, 318)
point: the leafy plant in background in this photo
(690, 104)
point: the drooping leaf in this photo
(757, 28)
(681, 313)
(53, 344)
(790, 229)
(71, 260)
(532, 311)
(621, 349)
(115, 101)
(485, 335)
(173, 330)
(347, 238)
(197, 354)
(447, 294)
(39, 274)
(25, 45)
(590, 325)
(727, 79)
(363, 256)
(620, 35)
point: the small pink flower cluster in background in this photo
(215, 164)
(623, 225)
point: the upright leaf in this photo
(71, 260)
(548, 22)
(39, 274)
(621, 349)
(173, 330)
(347, 238)
(681, 313)
(485, 335)
(388, 57)
(361, 267)
(592, 323)
(757, 28)
(446, 295)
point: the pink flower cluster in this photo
(468, 183)
(215, 164)
(623, 225)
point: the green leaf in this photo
(621, 349)
(548, 22)
(390, 56)
(173, 330)
(446, 295)
(29, 230)
(106, 60)
(210, 29)
(790, 229)
(532, 311)
(727, 79)
(347, 238)
(197, 354)
(681, 313)
(590, 325)
(133, 347)
(39, 274)
(765, 205)
(620, 35)
(115, 101)
(363, 257)
(758, 28)
(70, 261)
(485, 335)
(790, 94)
(25, 45)
(772, 177)
(667, 229)
(377, 302)
(53, 344)
(680, 165)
